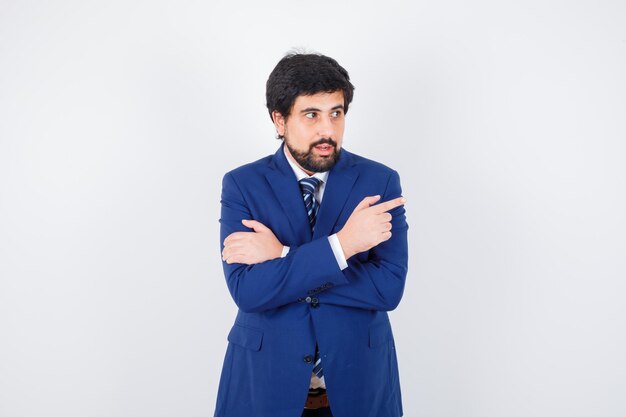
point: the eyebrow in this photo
(310, 109)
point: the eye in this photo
(336, 113)
(310, 115)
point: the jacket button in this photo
(308, 358)
(308, 299)
(315, 302)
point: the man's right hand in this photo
(368, 225)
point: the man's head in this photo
(307, 97)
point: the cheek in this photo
(304, 136)
(339, 128)
(338, 137)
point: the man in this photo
(315, 254)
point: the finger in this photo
(232, 259)
(229, 238)
(233, 237)
(366, 202)
(385, 217)
(235, 246)
(227, 253)
(237, 259)
(386, 236)
(389, 205)
(255, 225)
(238, 246)
(232, 255)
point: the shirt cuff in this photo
(285, 251)
(337, 251)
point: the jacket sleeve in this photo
(376, 279)
(270, 284)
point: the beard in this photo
(310, 162)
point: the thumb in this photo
(253, 224)
(366, 202)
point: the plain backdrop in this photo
(505, 120)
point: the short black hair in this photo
(299, 74)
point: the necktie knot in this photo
(309, 185)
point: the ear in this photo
(279, 123)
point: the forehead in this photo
(320, 101)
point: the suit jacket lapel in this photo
(287, 190)
(339, 184)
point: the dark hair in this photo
(300, 74)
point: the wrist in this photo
(345, 245)
(280, 251)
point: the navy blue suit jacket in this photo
(289, 304)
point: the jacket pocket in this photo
(246, 337)
(380, 334)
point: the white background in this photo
(505, 120)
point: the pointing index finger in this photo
(388, 205)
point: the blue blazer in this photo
(289, 304)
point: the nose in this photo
(326, 128)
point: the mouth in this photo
(325, 149)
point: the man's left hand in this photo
(251, 247)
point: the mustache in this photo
(327, 141)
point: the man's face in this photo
(314, 130)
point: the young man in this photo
(315, 254)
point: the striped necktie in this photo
(309, 186)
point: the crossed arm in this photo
(259, 279)
(367, 227)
